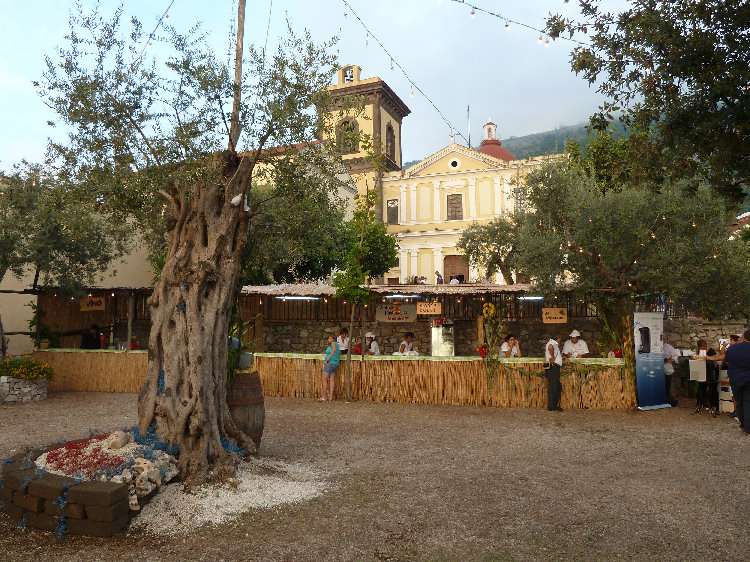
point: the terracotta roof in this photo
(492, 147)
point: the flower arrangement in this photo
(493, 326)
(26, 368)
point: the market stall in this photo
(518, 382)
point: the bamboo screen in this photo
(95, 371)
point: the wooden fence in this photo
(461, 381)
(95, 371)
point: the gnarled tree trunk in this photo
(185, 389)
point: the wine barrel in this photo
(245, 401)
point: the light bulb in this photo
(391, 64)
(540, 39)
(412, 92)
(149, 44)
(507, 26)
(473, 13)
(546, 43)
(166, 16)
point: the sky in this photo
(457, 60)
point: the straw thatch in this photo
(423, 381)
(323, 290)
(95, 371)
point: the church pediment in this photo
(452, 159)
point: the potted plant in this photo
(43, 343)
(134, 343)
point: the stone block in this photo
(103, 494)
(50, 486)
(111, 513)
(96, 528)
(27, 502)
(71, 510)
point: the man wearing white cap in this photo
(372, 347)
(575, 347)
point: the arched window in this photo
(390, 143)
(346, 136)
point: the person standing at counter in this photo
(371, 347)
(671, 357)
(408, 343)
(510, 347)
(707, 396)
(92, 338)
(330, 366)
(553, 362)
(737, 358)
(343, 341)
(575, 347)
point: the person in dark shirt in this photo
(91, 339)
(737, 357)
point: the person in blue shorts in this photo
(330, 366)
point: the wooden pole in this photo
(131, 313)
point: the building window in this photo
(390, 143)
(392, 211)
(348, 74)
(455, 207)
(346, 136)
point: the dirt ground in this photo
(446, 483)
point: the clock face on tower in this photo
(349, 75)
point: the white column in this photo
(402, 205)
(403, 266)
(498, 196)
(413, 202)
(509, 199)
(414, 265)
(472, 198)
(436, 200)
(473, 273)
(437, 259)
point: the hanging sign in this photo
(396, 312)
(92, 303)
(554, 315)
(434, 308)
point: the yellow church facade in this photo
(430, 204)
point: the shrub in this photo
(26, 368)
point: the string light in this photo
(391, 64)
(395, 62)
(473, 13)
(412, 91)
(546, 42)
(507, 26)
(540, 39)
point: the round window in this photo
(454, 163)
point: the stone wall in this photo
(684, 333)
(13, 389)
(312, 337)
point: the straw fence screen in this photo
(446, 382)
(95, 371)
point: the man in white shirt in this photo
(553, 362)
(372, 347)
(575, 347)
(510, 347)
(343, 341)
(671, 357)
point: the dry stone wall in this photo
(13, 389)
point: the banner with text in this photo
(648, 328)
(396, 312)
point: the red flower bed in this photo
(80, 457)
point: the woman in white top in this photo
(510, 347)
(408, 343)
(343, 341)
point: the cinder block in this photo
(19, 480)
(41, 521)
(6, 494)
(103, 494)
(27, 502)
(50, 486)
(72, 510)
(96, 528)
(14, 512)
(111, 513)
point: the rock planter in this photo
(13, 389)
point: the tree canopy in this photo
(677, 68)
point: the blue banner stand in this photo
(648, 329)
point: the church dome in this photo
(491, 146)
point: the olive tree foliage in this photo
(52, 230)
(623, 243)
(187, 141)
(677, 71)
(492, 247)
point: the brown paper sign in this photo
(92, 303)
(435, 308)
(554, 315)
